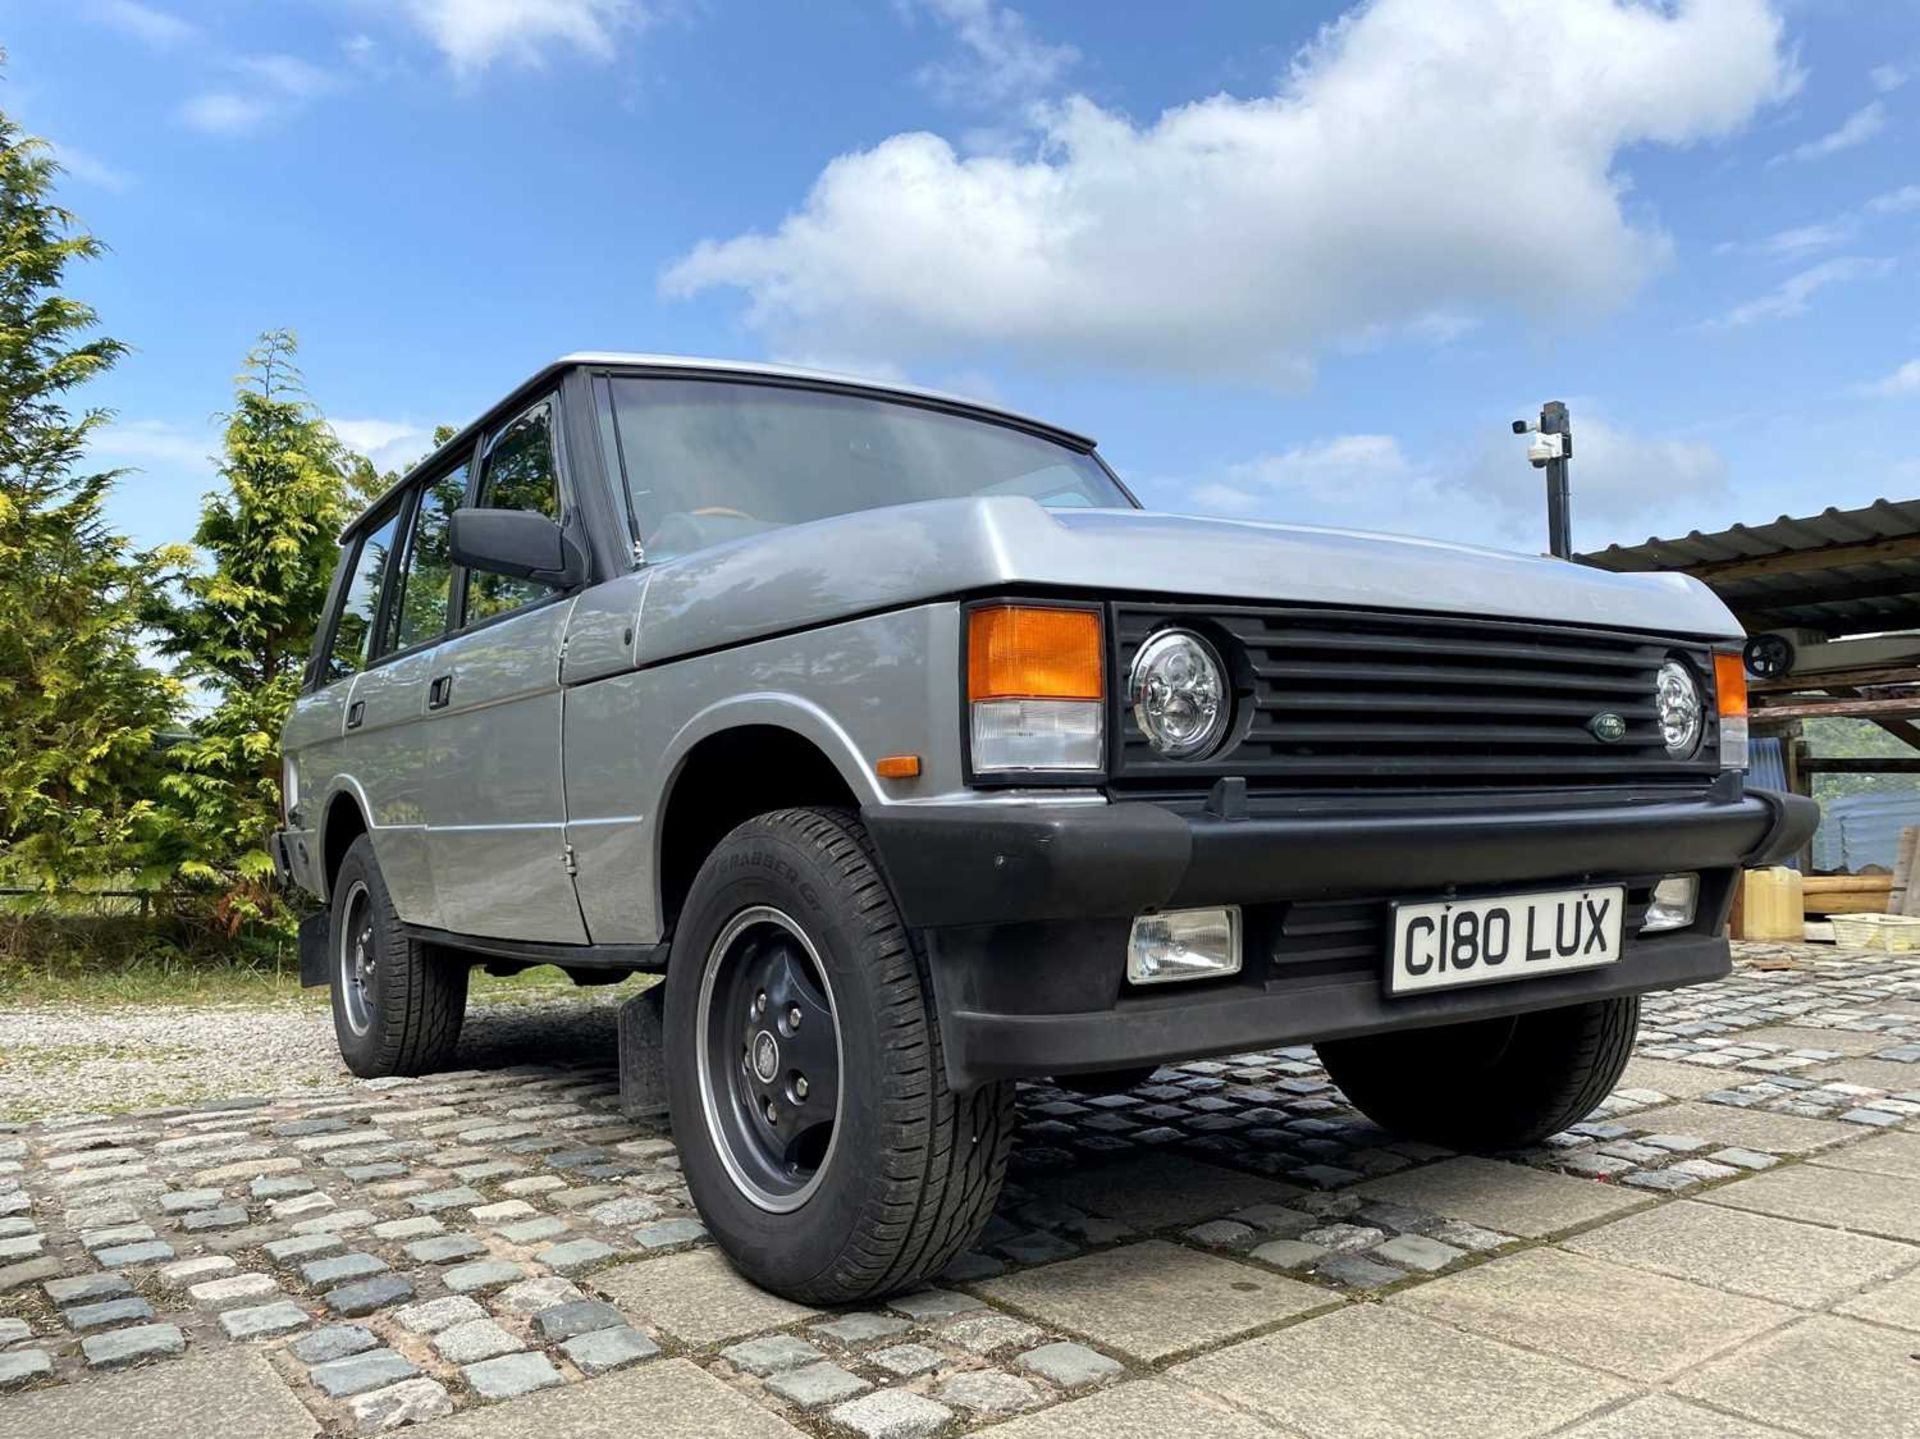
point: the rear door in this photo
(315, 737)
(496, 803)
(389, 700)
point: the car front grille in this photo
(1360, 699)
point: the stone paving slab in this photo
(1878, 1073)
(1896, 1303)
(671, 1399)
(1800, 1036)
(235, 1395)
(1873, 1203)
(1155, 1299)
(1675, 1080)
(1722, 1124)
(1641, 1326)
(1664, 1415)
(1748, 1253)
(697, 1297)
(1377, 1373)
(1824, 1377)
(1896, 1154)
(1502, 1196)
(1144, 1409)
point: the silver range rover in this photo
(921, 760)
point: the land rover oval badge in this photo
(1608, 727)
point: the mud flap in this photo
(314, 932)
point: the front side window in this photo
(353, 632)
(713, 460)
(518, 473)
(420, 601)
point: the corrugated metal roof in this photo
(1840, 571)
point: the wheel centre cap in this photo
(766, 1056)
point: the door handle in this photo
(440, 692)
(356, 712)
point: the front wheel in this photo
(805, 1077)
(397, 1005)
(1493, 1083)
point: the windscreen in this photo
(712, 460)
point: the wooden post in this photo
(1902, 870)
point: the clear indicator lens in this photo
(1030, 734)
(1733, 742)
(1178, 690)
(1677, 697)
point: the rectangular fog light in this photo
(1184, 944)
(1673, 903)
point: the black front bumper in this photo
(1025, 909)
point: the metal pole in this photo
(1554, 420)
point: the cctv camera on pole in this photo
(1550, 450)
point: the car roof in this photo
(666, 365)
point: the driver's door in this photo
(496, 838)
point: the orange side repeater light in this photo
(1033, 652)
(1730, 683)
(897, 766)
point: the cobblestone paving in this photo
(1730, 1245)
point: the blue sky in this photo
(1299, 260)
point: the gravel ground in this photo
(83, 1059)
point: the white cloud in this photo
(225, 112)
(1617, 476)
(1804, 239)
(1858, 128)
(145, 442)
(1903, 381)
(1418, 159)
(390, 444)
(156, 28)
(472, 34)
(1325, 471)
(270, 87)
(1493, 496)
(1005, 59)
(90, 168)
(1888, 78)
(1363, 481)
(1792, 295)
(1896, 202)
(289, 75)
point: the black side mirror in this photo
(519, 543)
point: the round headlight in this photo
(1677, 697)
(1178, 690)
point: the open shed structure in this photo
(1842, 589)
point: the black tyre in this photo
(1492, 1084)
(397, 1003)
(808, 1091)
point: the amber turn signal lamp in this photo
(1730, 683)
(898, 766)
(1031, 652)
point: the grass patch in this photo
(108, 961)
(30, 1059)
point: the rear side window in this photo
(426, 581)
(360, 605)
(518, 473)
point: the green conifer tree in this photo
(79, 705)
(250, 592)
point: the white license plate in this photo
(1447, 943)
